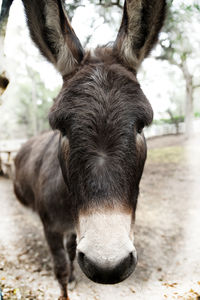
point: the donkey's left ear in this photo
(138, 33)
(50, 29)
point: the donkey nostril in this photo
(132, 260)
(131, 257)
(81, 255)
(81, 258)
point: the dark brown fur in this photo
(94, 157)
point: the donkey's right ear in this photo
(50, 29)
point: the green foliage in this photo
(176, 119)
(71, 7)
(197, 114)
(104, 8)
(176, 37)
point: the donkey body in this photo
(83, 178)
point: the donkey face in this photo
(100, 112)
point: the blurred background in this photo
(169, 200)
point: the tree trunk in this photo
(177, 127)
(174, 120)
(189, 110)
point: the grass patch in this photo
(166, 155)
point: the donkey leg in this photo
(71, 249)
(61, 266)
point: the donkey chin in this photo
(105, 246)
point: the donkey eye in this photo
(63, 131)
(140, 127)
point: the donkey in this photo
(83, 177)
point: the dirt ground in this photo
(167, 236)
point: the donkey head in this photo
(100, 113)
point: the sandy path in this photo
(167, 235)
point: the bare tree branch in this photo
(5, 8)
(106, 5)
